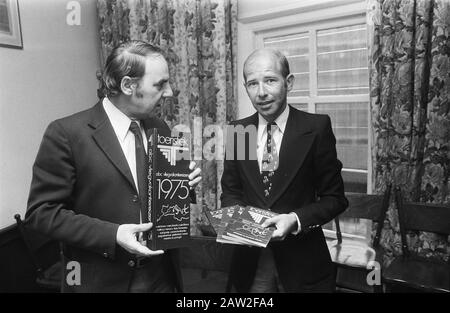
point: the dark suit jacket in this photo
(307, 182)
(81, 191)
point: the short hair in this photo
(280, 57)
(127, 59)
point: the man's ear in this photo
(290, 79)
(127, 85)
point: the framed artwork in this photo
(10, 32)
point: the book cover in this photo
(256, 215)
(214, 218)
(241, 225)
(249, 233)
(245, 226)
(232, 213)
(217, 219)
(168, 189)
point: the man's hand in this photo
(285, 224)
(126, 238)
(194, 176)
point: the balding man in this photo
(296, 173)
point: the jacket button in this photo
(131, 263)
(105, 255)
(135, 198)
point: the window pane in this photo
(354, 226)
(292, 45)
(350, 126)
(354, 181)
(343, 82)
(301, 86)
(341, 38)
(342, 61)
(299, 64)
(296, 49)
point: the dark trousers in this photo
(267, 280)
(154, 277)
(266, 277)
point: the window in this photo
(296, 49)
(330, 63)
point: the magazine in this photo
(241, 225)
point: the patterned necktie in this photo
(270, 159)
(141, 169)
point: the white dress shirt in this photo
(121, 125)
(277, 133)
(277, 137)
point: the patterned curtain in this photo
(199, 38)
(409, 95)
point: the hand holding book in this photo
(284, 224)
(242, 225)
(126, 238)
(194, 176)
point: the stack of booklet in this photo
(241, 225)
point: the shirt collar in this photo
(281, 122)
(119, 121)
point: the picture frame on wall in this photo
(10, 30)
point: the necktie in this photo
(269, 160)
(141, 169)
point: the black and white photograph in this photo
(224, 152)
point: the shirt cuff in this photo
(299, 225)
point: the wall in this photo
(53, 76)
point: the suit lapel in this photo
(251, 170)
(297, 141)
(251, 167)
(106, 139)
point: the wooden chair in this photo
(46, 256)
(353, 256)
(410, 271)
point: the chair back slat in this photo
(363, 206)
(434, 218)
(427, 217)
(411, 269)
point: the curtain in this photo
(409, 65)
(199, 38)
